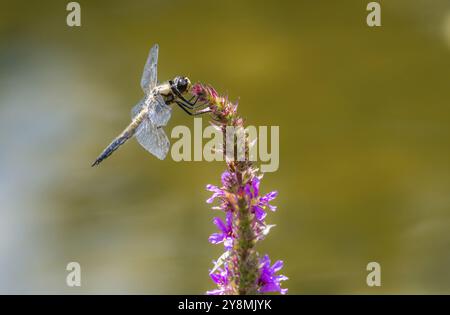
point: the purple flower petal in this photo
(269, 197)
(270, 287)
(277, 265)
(212, 188)
(255, 184)
(282, 278)
(269, 281)
(211, 199)
(216, 238)
(227, 179)
(228, 243)
(220, 225)
(265, 261)
(217, 192)
(217, 278)
(248, 191)
(259, 212)
(229, 219)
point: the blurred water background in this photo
(364, 143)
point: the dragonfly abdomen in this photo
(122, 138)
(111, 148)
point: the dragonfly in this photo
(153, 111)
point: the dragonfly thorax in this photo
(173, 89)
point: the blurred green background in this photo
(364, 143)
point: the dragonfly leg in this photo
(187, 102)
(192, 106)
(190, 100)
(189, 105)
(196, 100)
(195, 105)
(182, 106)
(186, 109)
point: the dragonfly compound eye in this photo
(182, 84)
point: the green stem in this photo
(247, 260)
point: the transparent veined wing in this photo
(137, 108)
(159, 112)
(153, 139)
(149, 76)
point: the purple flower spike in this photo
(239, 270)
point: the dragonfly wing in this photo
(153, 139)
(159, 112)
(149, 76)
(137, 108)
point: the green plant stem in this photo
(247, 261)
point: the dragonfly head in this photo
(182, 84)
